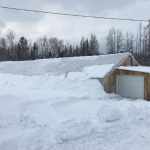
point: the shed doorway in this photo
(130, 86)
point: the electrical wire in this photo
(74, 15)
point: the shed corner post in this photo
(146, 86)
(148, 89)
(108, 84)
(115, 81)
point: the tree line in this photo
(138, 44)
(44, 47)
(116, 42)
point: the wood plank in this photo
(124, 63)
(148, 90)
(145, 86)
(131, 60)
(128, 72)
(108, 85)
(115, 81)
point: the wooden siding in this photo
(108, 85)
(124, 63)
(148, 88)
(132, 64)
(115, 81)
(128, 72)
(145, 86)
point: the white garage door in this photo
(130, 86)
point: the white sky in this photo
(34, 25)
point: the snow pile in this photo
(72, 85)
(110, 114)
(37, 115)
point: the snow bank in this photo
(75, 84)
(37, 115)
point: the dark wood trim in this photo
(145, 86)
(108, 85)
(148, 88)
(128, 72)
(115, 81)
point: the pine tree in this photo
(23, 53)
(88, 53)
(35, 50)
(19, 53)
(82, 47)
(70, 51)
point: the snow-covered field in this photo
(45, 112)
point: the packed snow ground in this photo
(69, 113)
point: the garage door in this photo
(130, 86)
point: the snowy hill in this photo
(51, 111)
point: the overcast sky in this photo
(34, 25)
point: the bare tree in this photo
(56, 46)
(94, 45)
(111, 41)
(140, 38)
(12, 51)
(119, 41)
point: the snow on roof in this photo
(59, 66)
(136, 68)
(98, 71)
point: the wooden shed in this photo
(129, 79)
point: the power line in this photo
(39, 11)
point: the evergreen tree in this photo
(82, 47)
(70, 51)
(35, 51)
(23, 51)
(88, 53)
(19, 53)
